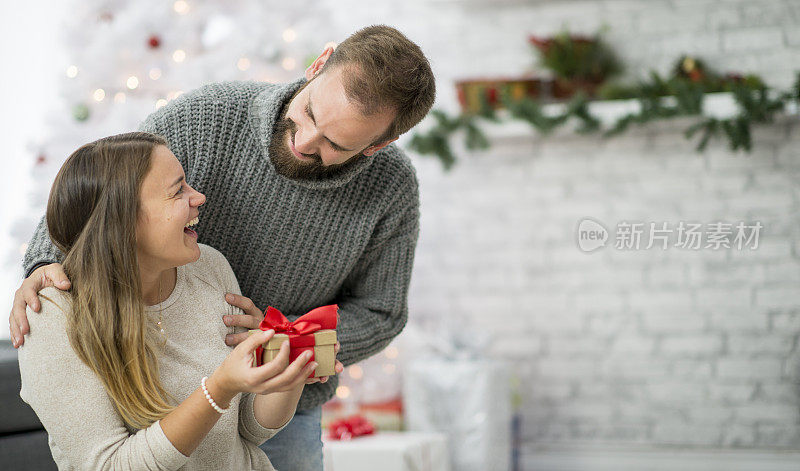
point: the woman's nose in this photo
(198, 199)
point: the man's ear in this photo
(316, 66)
(372, 149)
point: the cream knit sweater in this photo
(85, 430)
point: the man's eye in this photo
(180, 190)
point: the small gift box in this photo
(314, 332)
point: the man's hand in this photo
(251, 320)
(28, 295)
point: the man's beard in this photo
(289, 166)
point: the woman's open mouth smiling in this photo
(188, 231)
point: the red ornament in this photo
(154, 42)
(41, 160)
(491, 96)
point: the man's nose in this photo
(304, 142)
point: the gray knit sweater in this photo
(293, 244)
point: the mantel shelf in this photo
(720, 105)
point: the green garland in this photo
(758, 104)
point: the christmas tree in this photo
(127, 58)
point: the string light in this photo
(179, 55)
(160, 102)
(391, 352)
(288, 63)
(181, 7)
(99, 94)
(133, 82)
(119, 97)
(289, 35)
(388, 368)
(72, 71)
(243, 64)
(355, 372)
(342, 392)
(155, 73)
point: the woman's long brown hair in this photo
(91, 216)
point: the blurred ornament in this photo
(154, 42)
(181, 7)
(690, 68)
(41, 159)
(80, 112)
(106, 16)
(217, 29)
(289, 63)
(270, 52)
(355, 372)
(289, 35)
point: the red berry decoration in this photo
(154, 41)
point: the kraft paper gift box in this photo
(314, 331)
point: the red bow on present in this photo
(351, 427)
(325, 317)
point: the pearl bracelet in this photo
(208, 396)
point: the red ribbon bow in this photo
(351, 427)
(324, 317)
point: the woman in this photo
(129, 368)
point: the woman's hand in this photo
(237, 374)
(338, 367)
(251, 320)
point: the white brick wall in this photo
(675, 347)
(659, 347)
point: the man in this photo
(306, 197)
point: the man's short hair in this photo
(384, 70)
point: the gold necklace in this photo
(160, 322)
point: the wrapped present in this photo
(350, 427)
(385, 415)
(314, 332)
(388, 451)
(467, 399)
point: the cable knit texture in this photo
(293, 244)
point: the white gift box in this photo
(467, 399)
(387, 451)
